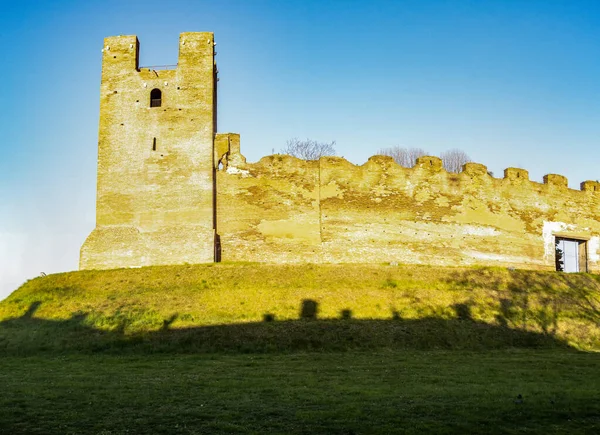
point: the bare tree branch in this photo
(454, 159)
(406, 157)
(308, 149)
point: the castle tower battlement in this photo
(171, 190)
(155, 189)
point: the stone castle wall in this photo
(282, 209)
(171, 190)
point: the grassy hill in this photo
(257, 307)
(305, 349)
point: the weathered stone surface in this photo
(155, 164)
(165, 205)
(334, 211)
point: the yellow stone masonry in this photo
(171, 191)
(155, 188)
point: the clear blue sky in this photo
(512, 83)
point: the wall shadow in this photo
(309, 309)
(29, 335)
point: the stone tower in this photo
(155, 191)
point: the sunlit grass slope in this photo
(257, 307)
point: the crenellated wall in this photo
(282, 209)
(171, 190)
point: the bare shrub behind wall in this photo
(406, 157)
(453, 159)
(308, 149)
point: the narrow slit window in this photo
(154, 144)
(155, 98)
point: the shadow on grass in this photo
(538, 299)
(28, 334)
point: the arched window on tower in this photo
(155, 98)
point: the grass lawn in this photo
(308, 349)
(353, 392)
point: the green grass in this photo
(381, 392)
(234, 348)
(223, 307)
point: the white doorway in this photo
(571, 255)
